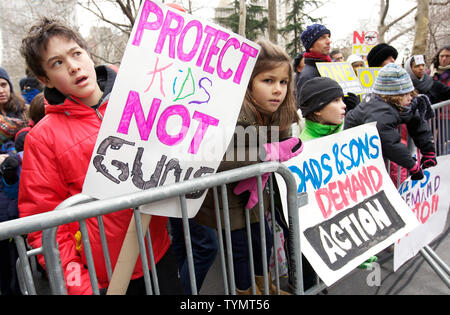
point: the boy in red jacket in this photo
(58, 151)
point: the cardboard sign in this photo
(342, 73)
(354, 211)
(367, 78)
(429, 200)
(173, 108)
(363, 42)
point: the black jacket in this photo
(388, 119)
(309, 72)
(438, 92)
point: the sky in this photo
(342, 17)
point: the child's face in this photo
(405, 99)
(5, 91)
(269, 88)
(333, 113)
(418, 70)
(70, 70)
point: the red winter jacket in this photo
(56, 158)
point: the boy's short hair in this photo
(37, 39)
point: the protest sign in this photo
(367, 78)
(364, 42)
(354, 211)
(173, 107)
(342, 73)
(429, 200)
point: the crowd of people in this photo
(46, 153)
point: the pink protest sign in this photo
(173, 107)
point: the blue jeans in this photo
(204, 250)
(241, 258)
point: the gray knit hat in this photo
(392, 80)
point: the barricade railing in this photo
(78, 208)
(440, 129)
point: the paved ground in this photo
(415, 277)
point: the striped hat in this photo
(392, 80)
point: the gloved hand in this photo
(428, 159)
(351, 101)
(251, 185)
(283, 150)
(416, 172)
(8, 170)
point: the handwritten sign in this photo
(363, 42)
(429, 201)
(342, 73)
(354, 211)
(179, 89)
(367, 78)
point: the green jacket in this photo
(314, 130)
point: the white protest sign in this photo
(429, 199)
(342, 73)
(173, 107)
(354, 211)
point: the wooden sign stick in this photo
(128, 256)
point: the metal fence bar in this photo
(188, 243)
(250, 250)
(262, 232)
(275, 254)
(80, 207)
(220, 240)
(105, 249)
(441, 273)
(226, 219)
(89, 257)
(140, 236)
(152, 262)
(24, 263)
(438, 260)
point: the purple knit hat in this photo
(313, 33)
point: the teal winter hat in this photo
(392, 80)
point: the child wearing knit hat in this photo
(388, 106)
(322, 107)
(11, 109)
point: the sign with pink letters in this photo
(173, 108)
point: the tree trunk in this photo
(273, 29)
(242, 17)
(421, 18)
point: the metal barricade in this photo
(80, 207)
(439, 126)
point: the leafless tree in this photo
(242, 17)
(273, 28)
(384, 26)
(421, 28)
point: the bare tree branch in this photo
(400, 17)
(403, 32)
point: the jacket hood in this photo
(105, 79)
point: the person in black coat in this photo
(388, 106)
(423, 83)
